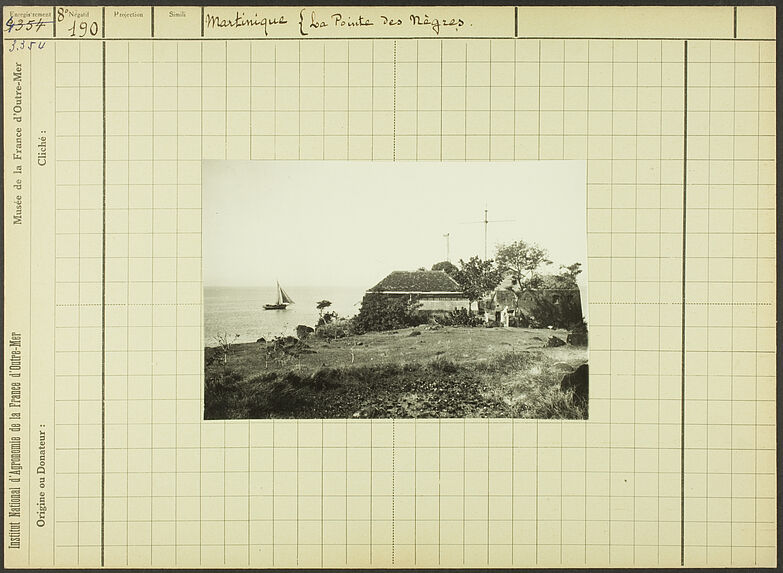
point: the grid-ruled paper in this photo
(676, 464)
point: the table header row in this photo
(353, 22)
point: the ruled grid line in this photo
(103, 308)
(54, 306)
(30, 311)
(401, 38)
(756, 368)
(611, 255)
(684, 283)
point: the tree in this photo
(477, 278)
(225, 342)
(571, 271)
(447, 266)
(324, 318)
(321, 305)
(521, 261)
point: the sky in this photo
(335, 223)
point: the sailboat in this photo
(283, 300)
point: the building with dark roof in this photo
(435, 291)
(556, 302)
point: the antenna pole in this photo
(448, 258)
(486, 224)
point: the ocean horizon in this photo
(240, 310)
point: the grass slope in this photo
(447, 372)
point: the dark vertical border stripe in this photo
(202, 21)
(684, 243)
(516, 21)
(103, 313)
(152, 21)
(735, 22)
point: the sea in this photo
(240, 310)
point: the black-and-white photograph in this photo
(394, 290)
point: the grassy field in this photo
(427, 372)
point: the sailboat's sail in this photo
(284, 296)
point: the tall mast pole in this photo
(448, 258)
(486, 224)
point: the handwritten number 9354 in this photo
(26, 25)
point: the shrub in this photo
(382, 312)
(339, 328)
(552, 403)
(459, 317)
(274, 396)
(563, 314)
(441, 364)
(519, 321)
(327, 318)
(325, 378)
(578, 334)
(222, 394)
(512, 360)
(212, 357)
(579, 327)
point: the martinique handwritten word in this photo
(241, 21)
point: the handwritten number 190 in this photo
(83, 29)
